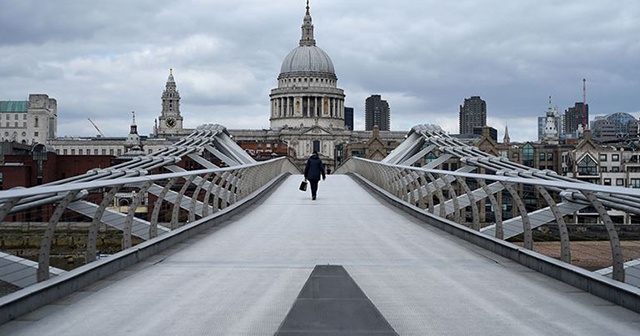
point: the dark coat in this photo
(314, 168)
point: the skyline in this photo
(109, 59)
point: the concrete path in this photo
(242, 278)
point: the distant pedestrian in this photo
(313, 171)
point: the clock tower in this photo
(170, 121)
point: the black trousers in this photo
(314, 187)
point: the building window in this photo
(603, 169)
(549, 156)
(615, 169)
(615, 157)
(587, 166)
(36, 133)
(36, 122)
(64, 151)
(15, 117)
(620, 182)
(119, 152)
(111, 151)
(80, 151)
(607, 181)
(24, 124)
(542, 156)
(634, 183)
(24, 116)
(316, 146)
(104, 151)
(95, 151)
(73, 151)
(528, 156)
(603, 157)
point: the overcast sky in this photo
(104, 59)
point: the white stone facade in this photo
(29, 122)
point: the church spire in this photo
(133, 141)
(506, 139)
(307, 30)
(170, 79)
(134, 128)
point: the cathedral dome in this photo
(307, 59)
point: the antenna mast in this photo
(584, 104)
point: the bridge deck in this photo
(242, 278)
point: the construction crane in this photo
(96, 127)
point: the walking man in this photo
(312, 172)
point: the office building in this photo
(348, 118)
(377, 113)
(472, 114)
(575, 118)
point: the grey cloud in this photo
(108, 58)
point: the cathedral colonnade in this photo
(307, 107)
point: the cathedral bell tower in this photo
(170, 121)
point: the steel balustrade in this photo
(430, 183)
(227, 185)
(172, 199)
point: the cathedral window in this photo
(36, 122)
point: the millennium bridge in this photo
(388, 248)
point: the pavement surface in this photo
(244, 277)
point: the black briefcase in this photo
(303, 186)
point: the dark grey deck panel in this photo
(331, 303)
